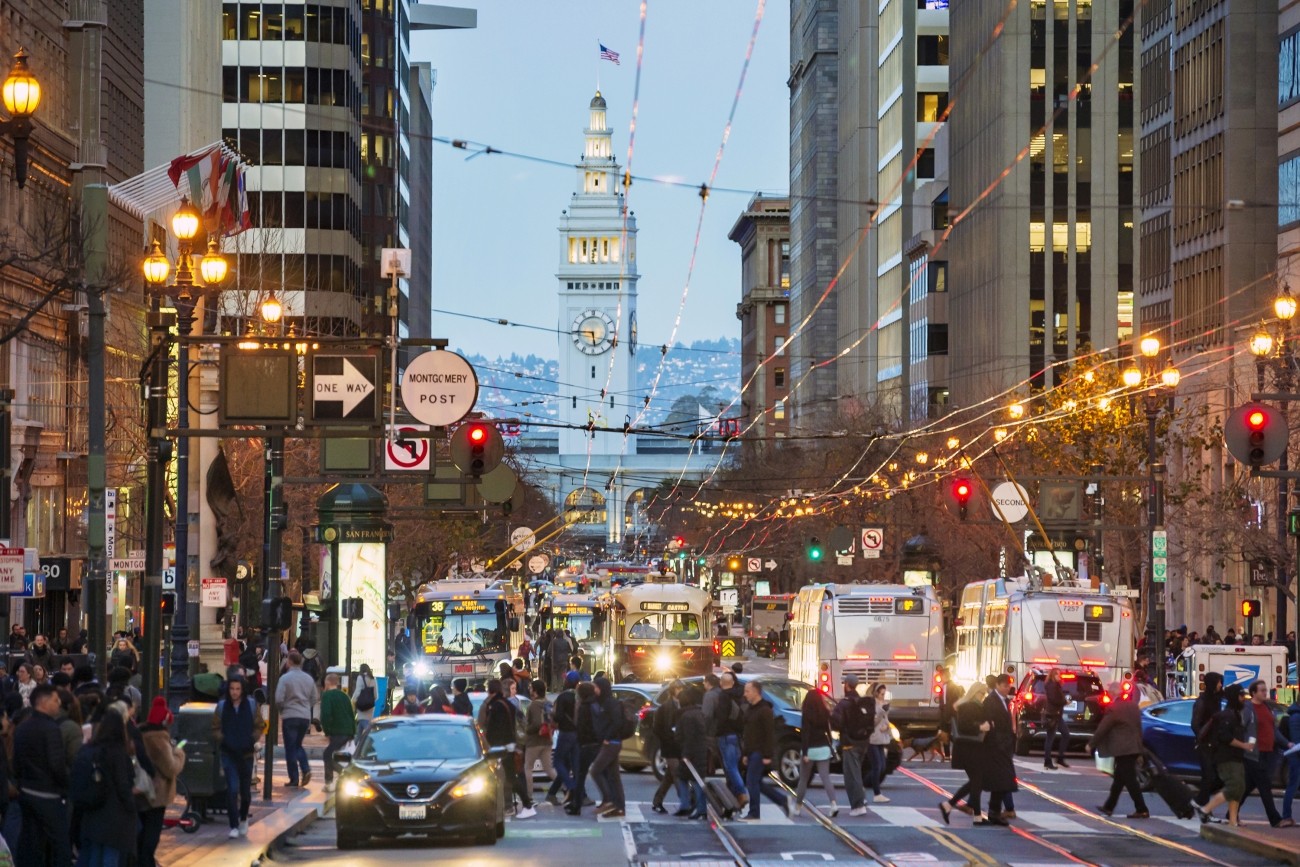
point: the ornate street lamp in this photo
(21, 94)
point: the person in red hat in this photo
(168, 760)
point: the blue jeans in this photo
(758, 783)
(729, 751)
(239, 786)
(1055, 726)
(294, 755)
(1292, 784)
(566, 764)
(877, 773)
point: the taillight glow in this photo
(1028, 697)
(1050, 660)
(1092, 661)
(1105, 698)
(906, 657)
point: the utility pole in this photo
(273, 481)
(155, 495)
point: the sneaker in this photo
(659, 808)
(526, 813)
(858, 811)
(1048, 766)
(747, 817)
(234, 834)
(243, 828)
(831, 810)
(1140, 814)
(331, 786)
(881, 799)
(794, 810)
(306, 778)
(1285, 823)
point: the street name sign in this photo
(1159, 556)
(439, 387)
(343, 388)
(1010, 502)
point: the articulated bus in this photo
(466, 627)
(1004, 625)
(879, 633)
(768, 613)
(660, 630)
(586, 617)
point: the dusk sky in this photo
(521, 82)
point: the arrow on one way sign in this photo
(350, 387)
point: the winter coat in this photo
(39, 761)
(606, 717)
(1120, 731)
(337, 718)
(168, 761)
(533, 736)
(1228, 726)
(760, 730)
(112, 823)
(692, 734)
(565, 712)
(1055, 700)
(966, 754)
(587, 724)
(998, 771)
(500, 727)
(665, 721)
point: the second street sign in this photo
(344, 388)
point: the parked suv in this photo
(1087, 704)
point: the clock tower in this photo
(597, 293)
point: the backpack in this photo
(87, 787)
(627, 721)
(366, 697)
(856, 723)
(548, 720)
(312, 666)
(726, 713)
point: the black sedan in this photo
(423, 775)
(787, 698)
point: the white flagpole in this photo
(598, 44)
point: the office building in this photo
(763, 233)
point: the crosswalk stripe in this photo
(1193, 824)
(1030, 765)
(1044, 820)
(905, 817)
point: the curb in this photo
(1282, 851)
(292, 831)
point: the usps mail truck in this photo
(1243, 664)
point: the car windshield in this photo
(410, 743)
(675, 626)
(1075, 685)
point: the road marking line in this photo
(905, 817)
(1030, 765)
(1049, 821)
(953, 843)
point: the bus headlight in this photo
(663, 662)
(421, 669)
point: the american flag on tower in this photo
(606, 54)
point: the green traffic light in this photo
(814, 553)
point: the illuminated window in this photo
(778, 410)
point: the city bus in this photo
(1006, 625)
(767, 614)
(660, 630)
(586, 617)
(465, 627)
(880, 633)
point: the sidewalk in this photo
(288, 811)
(1280, 844)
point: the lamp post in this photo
(1274, 350)
(1157, 388)
(185, 290)
(272, 553)
(21, 93)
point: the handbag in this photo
(143, 783)
(1105, 764)
(819, 754)
(977, 738)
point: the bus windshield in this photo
(464, 633)
(675, 627)
(578, 624)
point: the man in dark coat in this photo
(1054, 702)
(692, 734)
(665, 723)
(999, 770)
(499, 731)
(41, 774)
(759, 748)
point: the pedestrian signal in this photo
(1249, 608)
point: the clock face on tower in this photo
(593, 332)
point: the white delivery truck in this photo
(1238, 663)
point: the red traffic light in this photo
(477, 433)
(1256, 419)
(962, 490)
(1256, 434)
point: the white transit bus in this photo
(660, 630)
(769, 614)
(466, 627)
(1005, 625)
(586, 617)
(879, 633)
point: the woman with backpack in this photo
(363, 698)
(538, 727)
(1227, 736)
(103, 796)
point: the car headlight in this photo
(359, 789)
(474, 785)
(421, 669)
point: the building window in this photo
(937, 339)
(778, 410)
(778, 314)
(785, 264)
(925, 163)
(932, 50)
(1288, 69)
(780, 346)
(938, 277)
(1288, 191)
(778, 377)
(931, 106)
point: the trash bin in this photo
(201, 777)
(230, 651)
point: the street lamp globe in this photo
(1284, 305)
(156, 267)
(185, 222)
(1132, 377)
(21, 90)
(272, 310)
(1016, 410)
(1149, 346)
(1170, 377)
(1261, 343)
(213, 266)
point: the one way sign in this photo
(343, 388)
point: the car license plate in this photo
(1072, 707)
(465, 668)
(409, 812)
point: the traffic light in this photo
(1250, 608)
(168, 605)
(814, 549)
(959, 493)
(277, 613)
(1256, 434)
(733, 563)
(701, 561)
(352, 608)
(476, 448)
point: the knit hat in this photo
(159, 714)
(571, 678)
